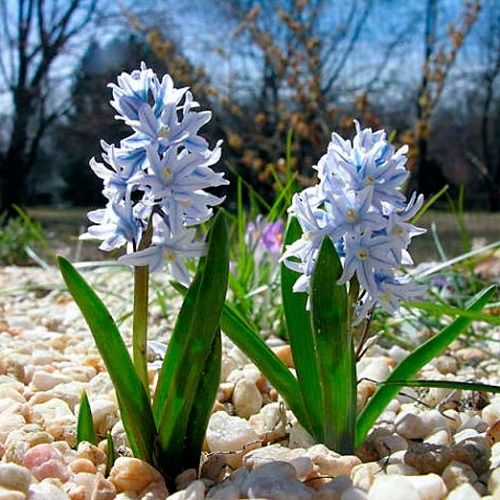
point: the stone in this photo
(56, 418)
(376, 370)
(330, 463)
(429, 487)
(331, 490)
(15, 477)
(457, 473)
(299, 438)
(154, 491)
(224, 491)
(82, 465)
(411, 426)
(270, 423)
(44, 381)
(389, 444)
(495, 456)
(104, 414)
(228, 433)
(393, 487)
(363, 475)
(440, 437)
(46, 491)
(297, 457)
(494, 482)
(464, 492)
(9, 391)
(91, 452)
(493, 433)
(195, 491)
(276, 481)
(446, 364)
(132, 474)
(186, 477)
(6, 494)
(353, 494)
(9, 423)
(103, 489)
(247, 399)
(427, 458)
(401, 469)
(491, 413)
(284, 353)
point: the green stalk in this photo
(140, 323)
(335, 350)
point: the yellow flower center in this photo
(397, 231)
(385, 297)
(352, 214)
(363, 254)
(169, 255)
(369, 181)
(164, 132)
(167, 173)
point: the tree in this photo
(33, 39)
(439, 58)
(90, 118)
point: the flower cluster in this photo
(359, 205)
(155, 180)
(264, 237)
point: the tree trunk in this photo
(14, 166)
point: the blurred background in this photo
(274, 72)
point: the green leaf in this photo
(251, 343)
(189, 347)
(110, 453)
(302, 343)
(335, 350)
(411, 365)
(441, 309)
(201, 411)
(446, 384)
(85, 424)
(135, 406)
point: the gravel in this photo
(428, 444)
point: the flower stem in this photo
(140, 323)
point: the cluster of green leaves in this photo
(167, 432)
(323, 396)
(16, 236)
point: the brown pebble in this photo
(103, 490)
(82, 465)
(91, 452)
(132, 474)
(273, 394)
(78, 492)
(493, 433)
(186, 477)
(218, 406)
(284, 353)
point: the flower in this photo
(359, 204)
(264, 237)
(156, 179)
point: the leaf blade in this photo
(85, 430)
(334, 347)
(189, 348)
(302, 342)
(410, 366)
(134, 402)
